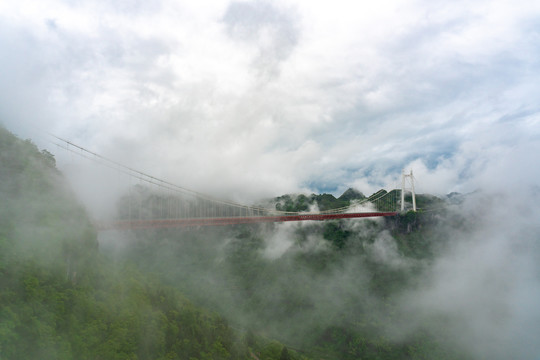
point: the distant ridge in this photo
(351, 194)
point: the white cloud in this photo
(274, 97)
(483, 284)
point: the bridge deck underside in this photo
(218, 221)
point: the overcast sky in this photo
(261, 98)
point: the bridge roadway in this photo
(218, 221)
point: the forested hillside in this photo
(62, 298)
(332, 290)
(446, 282)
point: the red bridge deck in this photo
(166, 223)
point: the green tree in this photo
(284, 354)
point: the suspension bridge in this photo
(162, 204)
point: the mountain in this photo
(64, 298)
(327, 290)
(351, 194)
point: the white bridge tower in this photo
(404, 178)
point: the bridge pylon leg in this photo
(404, 188)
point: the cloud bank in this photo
(286, 96)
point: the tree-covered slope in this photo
(331, 289)
(60, 298)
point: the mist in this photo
(481, 290)
(473, 288)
